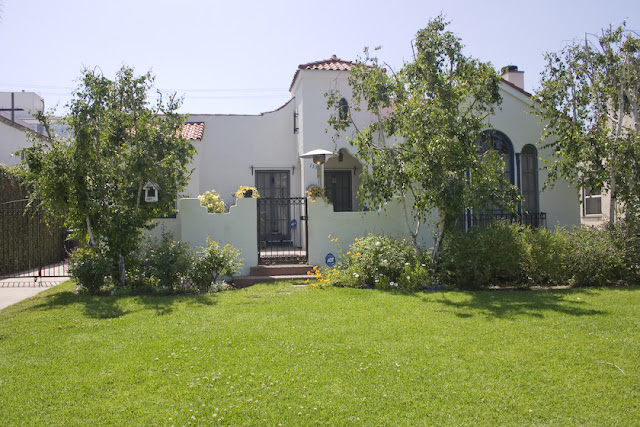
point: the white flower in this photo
(393, 284)
(377, 243)
(408, 277)
(406, 263)
(384, 263)
(356, 275)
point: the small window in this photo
(343, 111)
(592, 201)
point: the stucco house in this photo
(273, 151)
(16, 119)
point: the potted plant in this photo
(315, 191)
(246, 192)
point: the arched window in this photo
(529, 160)
(343, 111)
(496, 140)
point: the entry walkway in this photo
(17, 289)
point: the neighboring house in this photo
(268, 151)
(16, 119)
(594, 206)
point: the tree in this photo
(94, 178)
(430, 118)
(589, 98)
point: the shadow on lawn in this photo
(506, 304)
(109, 307)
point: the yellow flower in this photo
(349, 253)
(329, 236)
(358, 254)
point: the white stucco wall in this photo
(515, 119)
(309, 91)
(232, 144)
(12, 139)
(346, 226)
(238, 227)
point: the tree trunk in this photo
(121, 270)
(442, 226)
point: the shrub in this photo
(164, 266)
(626, 236)
(212, 201)
(213, 263)
(90, 269)
(483, 257)
(547, 255)
(594, 258)
(374, 257)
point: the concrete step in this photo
(280, 270)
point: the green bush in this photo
(509, 254)
(482, 257)
(162, 266)
(547, 255)
(626, 235)
(377, 256)
(595, 258)
(212, 263)
(383, 263)
(90, 270)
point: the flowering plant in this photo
(244, 191)
(212, 201)
(316, 191)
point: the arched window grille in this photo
(496, 140)
(343, 111)
(529, 160)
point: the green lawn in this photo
(283, 354)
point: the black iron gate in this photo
(28, 246)
(282, 230)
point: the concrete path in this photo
(17, 289)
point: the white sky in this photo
(240, 56)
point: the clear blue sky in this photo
(239, 56)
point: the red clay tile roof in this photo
(332, 64)
(193, 130)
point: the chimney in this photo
(511, 74)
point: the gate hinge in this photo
(303, 218)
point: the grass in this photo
(283, 354)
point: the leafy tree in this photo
(118, 142)
(589, 97)
(430, 117)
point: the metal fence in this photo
(471, 219)
(29, 247)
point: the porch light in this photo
(318, 156)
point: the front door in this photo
(338, 189)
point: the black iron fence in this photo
(282, 230)
(471, 219)
(29, 247)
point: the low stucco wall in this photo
(346, 226)
(238, 227)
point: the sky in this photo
(239, 57)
